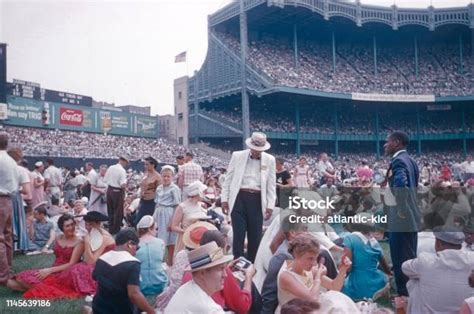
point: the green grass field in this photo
(23, 262)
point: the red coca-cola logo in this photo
(70, 116)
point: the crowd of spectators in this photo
(60, 143)
(439, 70)
(350, 121)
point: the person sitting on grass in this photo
(150, 255)
(365, 279)
(117, 274)
(68, 250)
(42, 233)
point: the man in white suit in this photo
(249, 193)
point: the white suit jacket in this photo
(235, 174)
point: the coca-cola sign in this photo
(70, 116)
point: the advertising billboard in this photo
(34, 113)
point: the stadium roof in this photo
(360, 14)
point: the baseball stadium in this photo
(323, 75)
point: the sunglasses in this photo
(136, 244)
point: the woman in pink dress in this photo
(42, 283)
(97, 242)
(301, 173)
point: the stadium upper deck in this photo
(322, 54)
(346, 37)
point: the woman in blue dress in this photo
(153, 278)
(365, 279)
(167, 198)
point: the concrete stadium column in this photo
(375, 57)
(472, 43)
(377, 139)
(416, 57)
(336, 137)
(196, 121)
(298, 137)
(333, 52)
(418, 129)
(243, 68)
(295, 44)
(463, 123)
(461, 55)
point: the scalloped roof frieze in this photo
(360, 14)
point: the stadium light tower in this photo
(243, 57)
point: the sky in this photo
(116, 51)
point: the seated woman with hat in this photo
(96, 242)
(76, 281)
(150, 255)
(191, 240)
(188, 212)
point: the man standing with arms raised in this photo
(249, 193)
(116, 179)
(404, 218)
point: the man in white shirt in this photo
(91, 176)
(8, 185)
(116, 180)
(207, 266)
(438, 282)
(326, 170)
(468, 168)
(54, 179)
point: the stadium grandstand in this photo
(325, 75)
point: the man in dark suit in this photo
(404, 218)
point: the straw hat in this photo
(207, 256)
(193, 234)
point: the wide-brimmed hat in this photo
(193, 234)
(95, 216)
(258, 142)
(207, 256)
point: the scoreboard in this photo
(34, 91)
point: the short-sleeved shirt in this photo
(42, 232)
(114, 271)
(191, 172)
(54, 176)
(168, 196)
(9, 174)
(116, 176)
